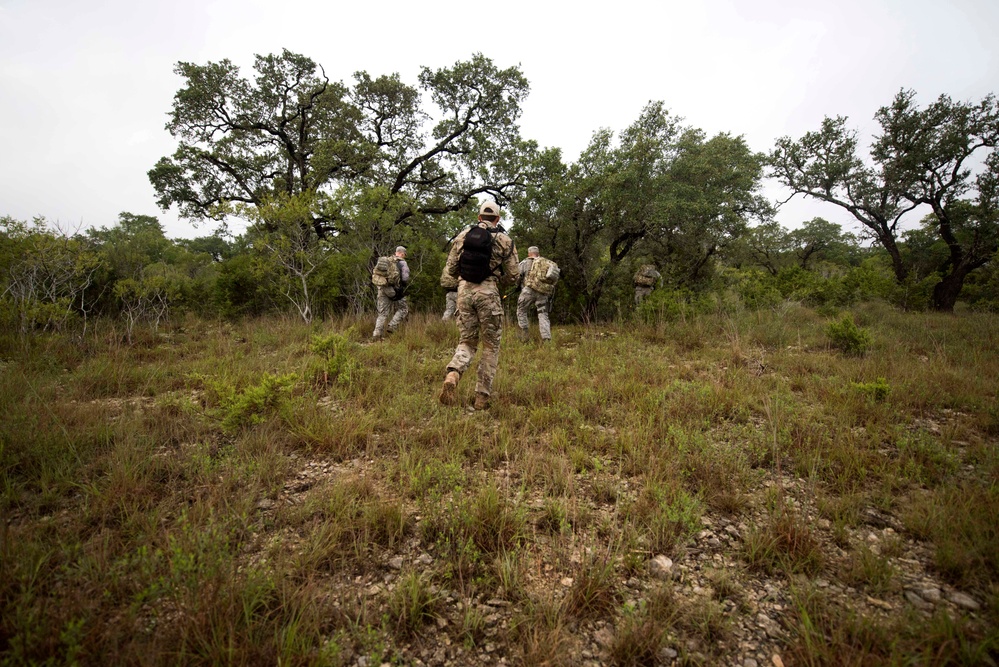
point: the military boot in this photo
(481, 401)
(524, 335)
(449, 390)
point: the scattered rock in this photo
(918, 602)
(661, 567)
(964, 601)
(395, 563)
(604, 637)
(666, 654)
(930, 594)
(881, 604)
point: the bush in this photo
(878, 390)
(338, 364)
(848, 337)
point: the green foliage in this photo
(339, 363)
(675, 305)
(661, 194)
(335, 138)
(666, 515)
(48, 275)
(877, 391)
(241, 408)
(846, 336)
(412, 604)
(921, 158)
(757, 291)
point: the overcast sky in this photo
(85, 85)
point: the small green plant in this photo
(338, 364)
(666, 515)
(847, 337)
(412, 603)
(877, 390)
(237, 409)
(872, 571)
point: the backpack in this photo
(386, 272)
(543, 275)
(476, 255)
(645, 276)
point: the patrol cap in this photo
(489, 208)
(400, 248)
(533, 249)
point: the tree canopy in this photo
(291, 131)
(920, 157)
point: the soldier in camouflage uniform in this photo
(480, 308)
(450, 284)
(538, 295)
(450, 304)
(645, 281)
(391, 302)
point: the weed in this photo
(594, 588)
(877, 391)
(666, 515)
(874, 572)
(540, 632)
(412, 603)
(338, 363)
(783, 544)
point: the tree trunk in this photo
(946, 291)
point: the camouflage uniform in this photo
(451, 300)
(529, 297)
(388, 307)
(642, 291)
(480, 309)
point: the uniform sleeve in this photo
(451, 266)
(404, 270)
(511, 270)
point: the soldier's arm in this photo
(511, 269)
(451, 266)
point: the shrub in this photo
(338, 364)
(848, 337)
(877, 391)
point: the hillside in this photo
(723, 489)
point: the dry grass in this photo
(263, 492)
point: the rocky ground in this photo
(750, 608)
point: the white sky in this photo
(86, 85)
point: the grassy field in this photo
(719, 490)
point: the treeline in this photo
(54, 281)
(330, 176)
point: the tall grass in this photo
(235, 492)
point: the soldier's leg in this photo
(523, 318)
(383, 306)
(468, 334)
(544, 324)
(401, 311)
(451, 301)
(491, 328)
